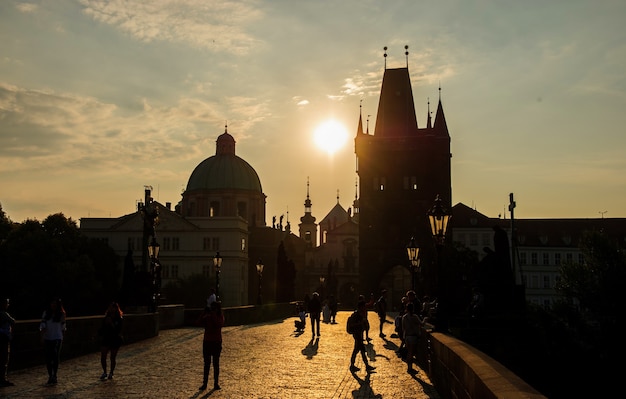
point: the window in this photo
(206, 270)
(522, 258)
(165, 271)
(166, 244)
(307, 236)
(379, 183)
(581, 259)
(214, 209)
(206, 243)
(242, 210)
(409, 182)
(473, 239)
(557, 259)
(546, 258)
(175, 244)
(215, 243)
(569, 257)
(243, 244)
(486, 239)
(546, 281)
(174, 271)
(534, 281)
(533, 258)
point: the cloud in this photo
(26, 7)
(57, 132)
(210, 24)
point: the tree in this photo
(597, 286)
(39, 261)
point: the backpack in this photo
(352, 324)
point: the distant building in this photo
(542, 245)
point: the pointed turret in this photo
(440, 121)
(429, 123)
(359, 129)
(396, 109)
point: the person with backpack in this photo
(355, 327)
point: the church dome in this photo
(224, 170)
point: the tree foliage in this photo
(41, 260)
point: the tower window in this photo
(214, 209)
(410, 182)
(379, 183)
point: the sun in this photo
(330, 136)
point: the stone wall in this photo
(460, 371)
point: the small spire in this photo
(429, 122)
(337, 195)
(359, 129)
(406, 54)
(385, 55)
(356, 188)
(225, 126)
(307, 187)
(368, 124)
(440, 90)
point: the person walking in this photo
(7, 323)
(315, 309)
(333, 305)
(356, 325)
(212, 319)
(111, 333)
(411, 324)
(381, 310)
(52, 328)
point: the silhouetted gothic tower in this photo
(401, 169)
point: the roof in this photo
(224, 170)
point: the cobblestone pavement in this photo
(264, 360)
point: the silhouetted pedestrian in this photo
(315, 310)
(411, 324)
(52, 328)
(381, 310)
(333, 305)
(355, 328)
(111, 333)
(212, 319)
(7, 323)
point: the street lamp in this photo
(155, 272)
(439, 216)
(413, 252)
(259, 270)
(217, 262)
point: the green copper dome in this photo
(224, 170)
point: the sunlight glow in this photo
(330, 136)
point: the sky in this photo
(101, 98)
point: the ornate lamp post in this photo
(439, 216)
(217, 262)
(413, 253)
(155, 273)
(259, 270)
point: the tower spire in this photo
(337, 195)
(368, 124)
(406, 54)
(428, 122)
(359, 129)
(385, 55)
